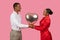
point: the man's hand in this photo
(31, 25)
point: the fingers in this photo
(31, 26)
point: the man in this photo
(15, 19)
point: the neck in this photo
(16, 11)
(46, 15)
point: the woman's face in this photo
(45, 13)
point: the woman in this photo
(45, 24)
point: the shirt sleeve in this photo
(17, 23)
(37, 27)
(43, 26)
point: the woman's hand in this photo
(31, 25)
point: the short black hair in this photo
(49, 11)
(15, 4)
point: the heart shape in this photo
(31, 17)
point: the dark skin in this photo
(17, 8)
(31, 25)
(44, 13)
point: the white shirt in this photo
(16, 22)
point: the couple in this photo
(16, 24)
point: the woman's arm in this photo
(43, 26)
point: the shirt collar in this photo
(15, 12)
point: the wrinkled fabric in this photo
(43, 28)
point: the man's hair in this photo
(15, 5)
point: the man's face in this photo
(18, 7)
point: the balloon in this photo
(31, 17)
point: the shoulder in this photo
(12, 15)
(47, 19)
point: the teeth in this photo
(35, 16)
(27, 16)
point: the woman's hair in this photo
(49, 11)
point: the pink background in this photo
(36, 6)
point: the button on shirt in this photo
(16, 22)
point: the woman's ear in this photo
(47, 13)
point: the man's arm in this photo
(17, 23)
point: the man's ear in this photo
(15, 7)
